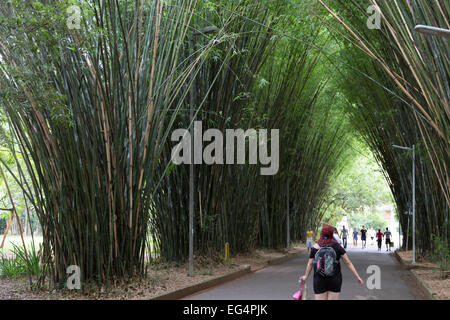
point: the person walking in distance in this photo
(344, 233)
(336, 236)
(309, 240)
(387, 236)
(324, 257)
(363, 236)
(355, 238)
(380, 236)
(371, 235)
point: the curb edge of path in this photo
(186, 291)
(246, 270)
(424, 287)
(429, 294)
(286, 257)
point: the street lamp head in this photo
(429, 30)
(400, 147)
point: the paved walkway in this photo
(279, 282)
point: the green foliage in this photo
(395, 89)
(358, 190)
(369, 220)
(362, 184)
(20, 262)
(28, 258)
(11, 267)
(86, 117)
(90, 111)
(441, 253)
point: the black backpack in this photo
(325, 261)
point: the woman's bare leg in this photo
(322, 296)
(333, 295)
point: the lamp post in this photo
(288, 237)
(429, 30)
(443, 33)
(204, 31)
(413, 149)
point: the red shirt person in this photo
(380, 236)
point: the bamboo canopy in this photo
(90, 111)
(411, 105)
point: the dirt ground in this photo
(258, 259)
(161, 279)
(429, 272)
(439, 286)
(420, 262)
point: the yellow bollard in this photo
(227, 251)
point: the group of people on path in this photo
(364, 232)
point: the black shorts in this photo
(363, 238)
(388, 241)
(324, 284)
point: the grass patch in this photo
(20, 262)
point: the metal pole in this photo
(288, 241)
(206, 30)
(414, 203)
(407, 231)
(191, 175)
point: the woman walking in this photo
(325, 256)
(355, 238)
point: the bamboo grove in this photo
(91, 110)
(92, 122)
(403, 102)
(269, 82)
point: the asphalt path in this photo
(279, 282)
